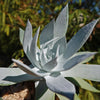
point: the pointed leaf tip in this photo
(48, 32)
(79, 39)
(27, 36)
(85, 71)
(21, 35)
(66, 6)
(61, 23)
(28, 22)
(10, 76)
(24, 67)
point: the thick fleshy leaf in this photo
(55, 29)
(76, 97)
(25, 68)
(79, 39)
(61, 23)
(27, 36)
(21, 35)
(40, 72)
(83, 84)
(85, 71)
(62, 97)
(45, 51)
(88, 59)
(50, 65)
(34, 49)
(32, 70)
(63, 64)
(41, 88)
(29, 55)
(9, 76)
(48, 95)
(60, 85)
(61, 44)
(50, 43)
(48, 32)
(42, 92)
(30, 43)
(43, 58)
(52, 49)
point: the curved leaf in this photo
(55, 29)
(85, 71)
(33, 50)
(30, 44)
(61, 44)
(46, 49)
(83, 84)
(48, 95)
(63, 64)
(87, 59)
(61, 86)
(42, 92)
(62, 97)
(76, 97)
(79, 39)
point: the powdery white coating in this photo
(55, 59)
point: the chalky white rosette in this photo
(54, 60)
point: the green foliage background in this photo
(14, 14)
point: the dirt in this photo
(20, 91)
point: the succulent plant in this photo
(54, 60)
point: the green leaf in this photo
(48, 95)
(10, 18)
(62, 97)
(7, 30)
(83, 84)
(1, 98)
(3, 18)
(76, 97)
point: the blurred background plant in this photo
(14, 14)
